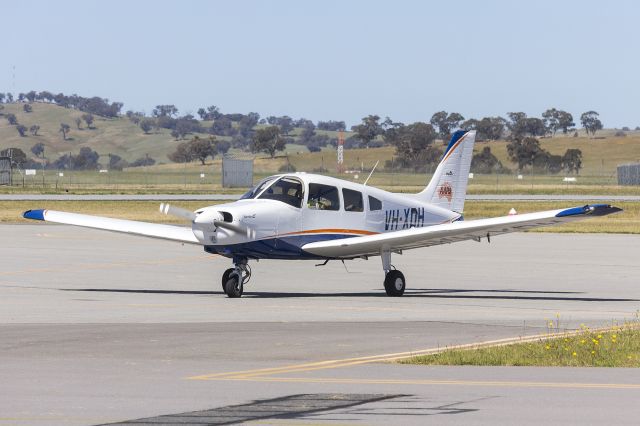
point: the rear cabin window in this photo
(287, 190)
(323, 197)
(352, 200)
(374, 203)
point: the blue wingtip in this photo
(34, 214)
(591, 210)
(454, 138)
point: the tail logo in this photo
(445, 191)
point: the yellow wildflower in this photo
(575, 354)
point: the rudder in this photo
(448, 186)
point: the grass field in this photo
(627, 222)
(618, 346)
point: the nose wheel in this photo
(234, 279)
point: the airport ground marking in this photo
(269, 374)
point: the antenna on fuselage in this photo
(372, 170)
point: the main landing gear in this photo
(394, 283)
(234, 279)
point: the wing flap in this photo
(372, 245)
(146, 229)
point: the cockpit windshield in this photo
(253, 192)
(286, 189)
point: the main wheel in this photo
(233, 286)
(394, 283)
(225, 278)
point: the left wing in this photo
(145, 229)
(372, 245)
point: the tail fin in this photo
(448, 186)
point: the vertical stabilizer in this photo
(448, 186)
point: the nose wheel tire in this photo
(225, 278)
(394, 283)
(233, 286)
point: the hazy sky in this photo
(335, 60)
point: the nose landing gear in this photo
(234, 279)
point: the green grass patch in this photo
(618, 346)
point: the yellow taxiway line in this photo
(267, 374)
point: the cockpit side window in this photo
(288, 190)
(374, 204)
(323, 197)
(352, 200)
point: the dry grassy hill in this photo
(120, 136)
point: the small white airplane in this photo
(308, 216)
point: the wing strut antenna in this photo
(372, 170)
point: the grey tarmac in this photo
(97, 327)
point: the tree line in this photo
(415, 143)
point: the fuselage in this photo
(284, 212)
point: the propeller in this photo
(187, 214)
(177, 211)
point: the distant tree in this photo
(445, 123)
(38, 149)
(146, 125)
(524, 151)
(368, 130)
(203, 148)
(78, 121)
(18, 157)
(116, 162)
(165, 111)
(626, 128)
(9, 97)
(211, 113)
(331, 125)
(27, 108)
(223, 127)
(88, 118)
(247, 123)
(21, 97)
(12, 119)
(307, 134)
(572, 160)
(87, 159)
(34, 129)
(489, 128)
(143, 161)
(223, 147)
(565, 122)
(182, 154)
(22, 130)
(591, 122)
(269, 140)
(285, 123)
(414, 144)
(46, 96)
(31, 96)
(64, 129)
(2, 96)
(486, 162)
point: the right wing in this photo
(373, 245)
(145, 229)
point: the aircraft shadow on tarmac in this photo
(435, 293)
